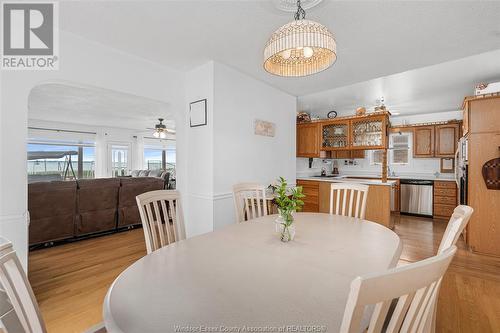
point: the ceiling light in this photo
(299, 48)
(160, 130)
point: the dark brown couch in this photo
(97, 203)
(128, 213)
(62, 210)
(52, 207)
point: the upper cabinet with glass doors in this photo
(369, 132)
(359, 132)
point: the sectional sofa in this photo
(72, 210)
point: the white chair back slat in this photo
(25, 314)
(399, 313)
(456, 225)
(458, 221)
(168, 233)
(250, 201)
(162, 219)
(412, 285)
(342, 193)
(159, 225)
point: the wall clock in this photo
(332, 114)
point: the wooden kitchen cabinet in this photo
(423, 141)
(446, 139)
(483, 231)
(348, 134)
(308, 140)
(335, 135)
(357, 154)
(369, 132)
(445, 199)
(311, 200)
(346, 154)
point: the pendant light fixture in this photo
(300, 48)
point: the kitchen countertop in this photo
(448, 178)
(349, 180)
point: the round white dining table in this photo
(242, 278)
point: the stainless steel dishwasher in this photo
(416, 197)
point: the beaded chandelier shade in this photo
(299, 48)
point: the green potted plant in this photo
(288, 202)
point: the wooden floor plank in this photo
(70, 281)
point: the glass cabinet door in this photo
(335, 136)
(368, 132)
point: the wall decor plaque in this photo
(491, 174)
(264, 128)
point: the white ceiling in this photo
(436, 88)
(374, 38)
(72, 103)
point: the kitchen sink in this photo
(330, 176)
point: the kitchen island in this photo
(378, 206)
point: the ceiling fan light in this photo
(163, 135)
(156, 134)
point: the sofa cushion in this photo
(135, 173)
(52, 208)
(97, 194)
(96, 221)
(97, 205)
(128, 212)
(155, 173)
(143, 173)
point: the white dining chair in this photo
(411, 285)
(342, 193)
(250, 201)
(458, 221)
(19, 311)
(162, 218)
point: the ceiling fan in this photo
(160, 130)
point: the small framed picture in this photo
(198, 113)
(447, 165)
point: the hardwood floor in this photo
(469, 300)
(70, 281)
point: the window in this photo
(400, 148)
(60, 161)
(161, 157)
(120, 163)
(154, 159)
(377, 157)
(399, 152)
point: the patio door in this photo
(119, 160)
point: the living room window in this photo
(161, 157)
(60, 161)
(154, 159)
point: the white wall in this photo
(227, 151)
(197, 150)
(421, 167)
(85, 62)
(239, 154)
